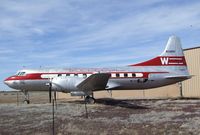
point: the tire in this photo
(27, 101)
(89, 100)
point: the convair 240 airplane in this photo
(168, 68)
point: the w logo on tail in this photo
(164, 60)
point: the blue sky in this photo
(91, 33)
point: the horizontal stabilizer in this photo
(94, 82)
(179, 77)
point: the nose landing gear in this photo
(27, 98)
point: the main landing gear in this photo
(26, 99)
(89, 100)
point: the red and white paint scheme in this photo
(168, 68)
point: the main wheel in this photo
(27, 101)
(90, 100)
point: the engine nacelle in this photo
(66, 84)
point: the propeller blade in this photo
(55, 95)
(50, 89)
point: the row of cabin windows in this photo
(75, 75)
(112, 75)
(123, 75)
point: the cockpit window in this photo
(21, 73)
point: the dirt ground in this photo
(106, 117)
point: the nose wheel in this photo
(26, 99)
(89, 100)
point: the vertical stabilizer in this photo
(171, 56)
(173, 47)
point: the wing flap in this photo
(94, 82)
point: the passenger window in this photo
(113, 75)
(84, 75)
(67, 74)
(59, 75)
(89, 75)
(125, 75)
(134, 75)
(130, 75)
(76, 75)
(117, 75)
(121, 75)
(80, 75)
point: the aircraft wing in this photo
(179, 77)
(94, 82)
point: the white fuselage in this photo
(126, 78)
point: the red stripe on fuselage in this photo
(32, 76)
(37, 76)
(164, 61)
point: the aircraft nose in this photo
(7, 82)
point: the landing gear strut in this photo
(89, 100)
(26, 99)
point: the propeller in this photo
(50, 90)
(55, 98)
(54, 95)
(53, 103)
